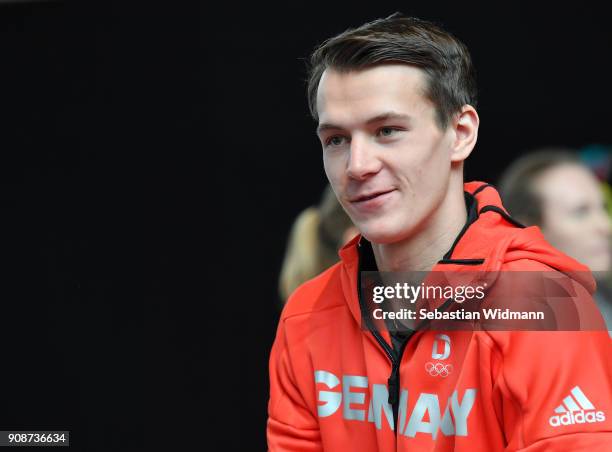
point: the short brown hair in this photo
(446, 61)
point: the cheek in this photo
(332, 168)
(419, 175)
(566, 233)
(335, 170)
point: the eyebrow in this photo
(378, 118)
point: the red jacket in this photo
(330, 380)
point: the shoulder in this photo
(318, 294)
(526, 264)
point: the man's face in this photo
(385, 156)
(574, 217)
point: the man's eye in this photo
(335, 140)
(387, 131)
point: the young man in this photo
(395, 104)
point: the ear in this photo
(465, 125)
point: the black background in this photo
(153, 158)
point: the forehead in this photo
(569, 183)
(357, 95)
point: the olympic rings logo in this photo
(440, 369)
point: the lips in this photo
(369, 196)
(371, 202)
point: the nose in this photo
(363, 161)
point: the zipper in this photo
(393, 382)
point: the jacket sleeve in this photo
(556, 390)
(292, 425)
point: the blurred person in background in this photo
(316, 235)
(553, 189)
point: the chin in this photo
(382, 233)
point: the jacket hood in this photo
(490, 241)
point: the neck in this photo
(427, 245)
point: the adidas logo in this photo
(576, 409)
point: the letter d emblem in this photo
(435, 354)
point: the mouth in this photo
(369, 196)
